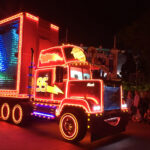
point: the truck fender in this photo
(81, 103)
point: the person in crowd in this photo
(136, 114)
(147, 113)
(129, 101)
(143, 103)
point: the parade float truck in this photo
(38, 78)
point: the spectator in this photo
(147, 113)
(143, 103)
(129, 101)
(136, 99)
(136, 112)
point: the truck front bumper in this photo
(107, 124)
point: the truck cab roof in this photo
(61, 55)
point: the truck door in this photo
(60, 83)
(44, 84)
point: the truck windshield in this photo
(79, 73)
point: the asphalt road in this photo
(44, 135)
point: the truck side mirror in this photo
(59, 74)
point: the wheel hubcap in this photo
(17, 114)
(68, 126)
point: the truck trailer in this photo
(39, 78)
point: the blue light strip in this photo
(42, 105)
(43, 114)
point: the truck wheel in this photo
(5, 111)
(17, 114)
(72, 126)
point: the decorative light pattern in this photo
(54, 27)
(32, 17)
(9, 39)
(17, 109)
(16, 20)
(40, 114)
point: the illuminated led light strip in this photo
(32, 17)
(52, 26)
(66, 92)
(15, 95)
(87, 98)
(102, 96)
(43, 114)
(45, 105)
(80, 63)
(6, 106)
(8, 91)
(76, 105)
(62, 50)
(45, 100)
(53, 81)
(73, 136)
(20, 15)
(48, 67)
(17, 121)
(11, 18)
(19, 51)
(121, 96)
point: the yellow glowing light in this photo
(32, 17)
(54, 89)
(42, 86)
(17, 121)
(74, 135)
(78, 54)
(54, 27)
(5, 106)
(46, 58)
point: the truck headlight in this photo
(124, 106)
(96, 108)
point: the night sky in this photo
(92, 23)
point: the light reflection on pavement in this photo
(44, 135)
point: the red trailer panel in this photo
(18, 34)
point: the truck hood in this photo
(88, 89)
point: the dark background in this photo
(92, 23)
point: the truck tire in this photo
(72, 126)
(17, 114)
(5, 111)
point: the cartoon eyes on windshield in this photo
(86, 76)
(76, 76)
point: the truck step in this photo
(45, 109)
(43, 115)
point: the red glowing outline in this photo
(54, 27)
(34, 18)
(35, 83)
(76, 127)
(121, 97)
(20, 17)
(8, 111)
(71, 102)
(20, 112)
(88, 98)
(48, 54)
(49, 49)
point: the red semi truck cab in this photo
(64, 88)
(41, 80)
